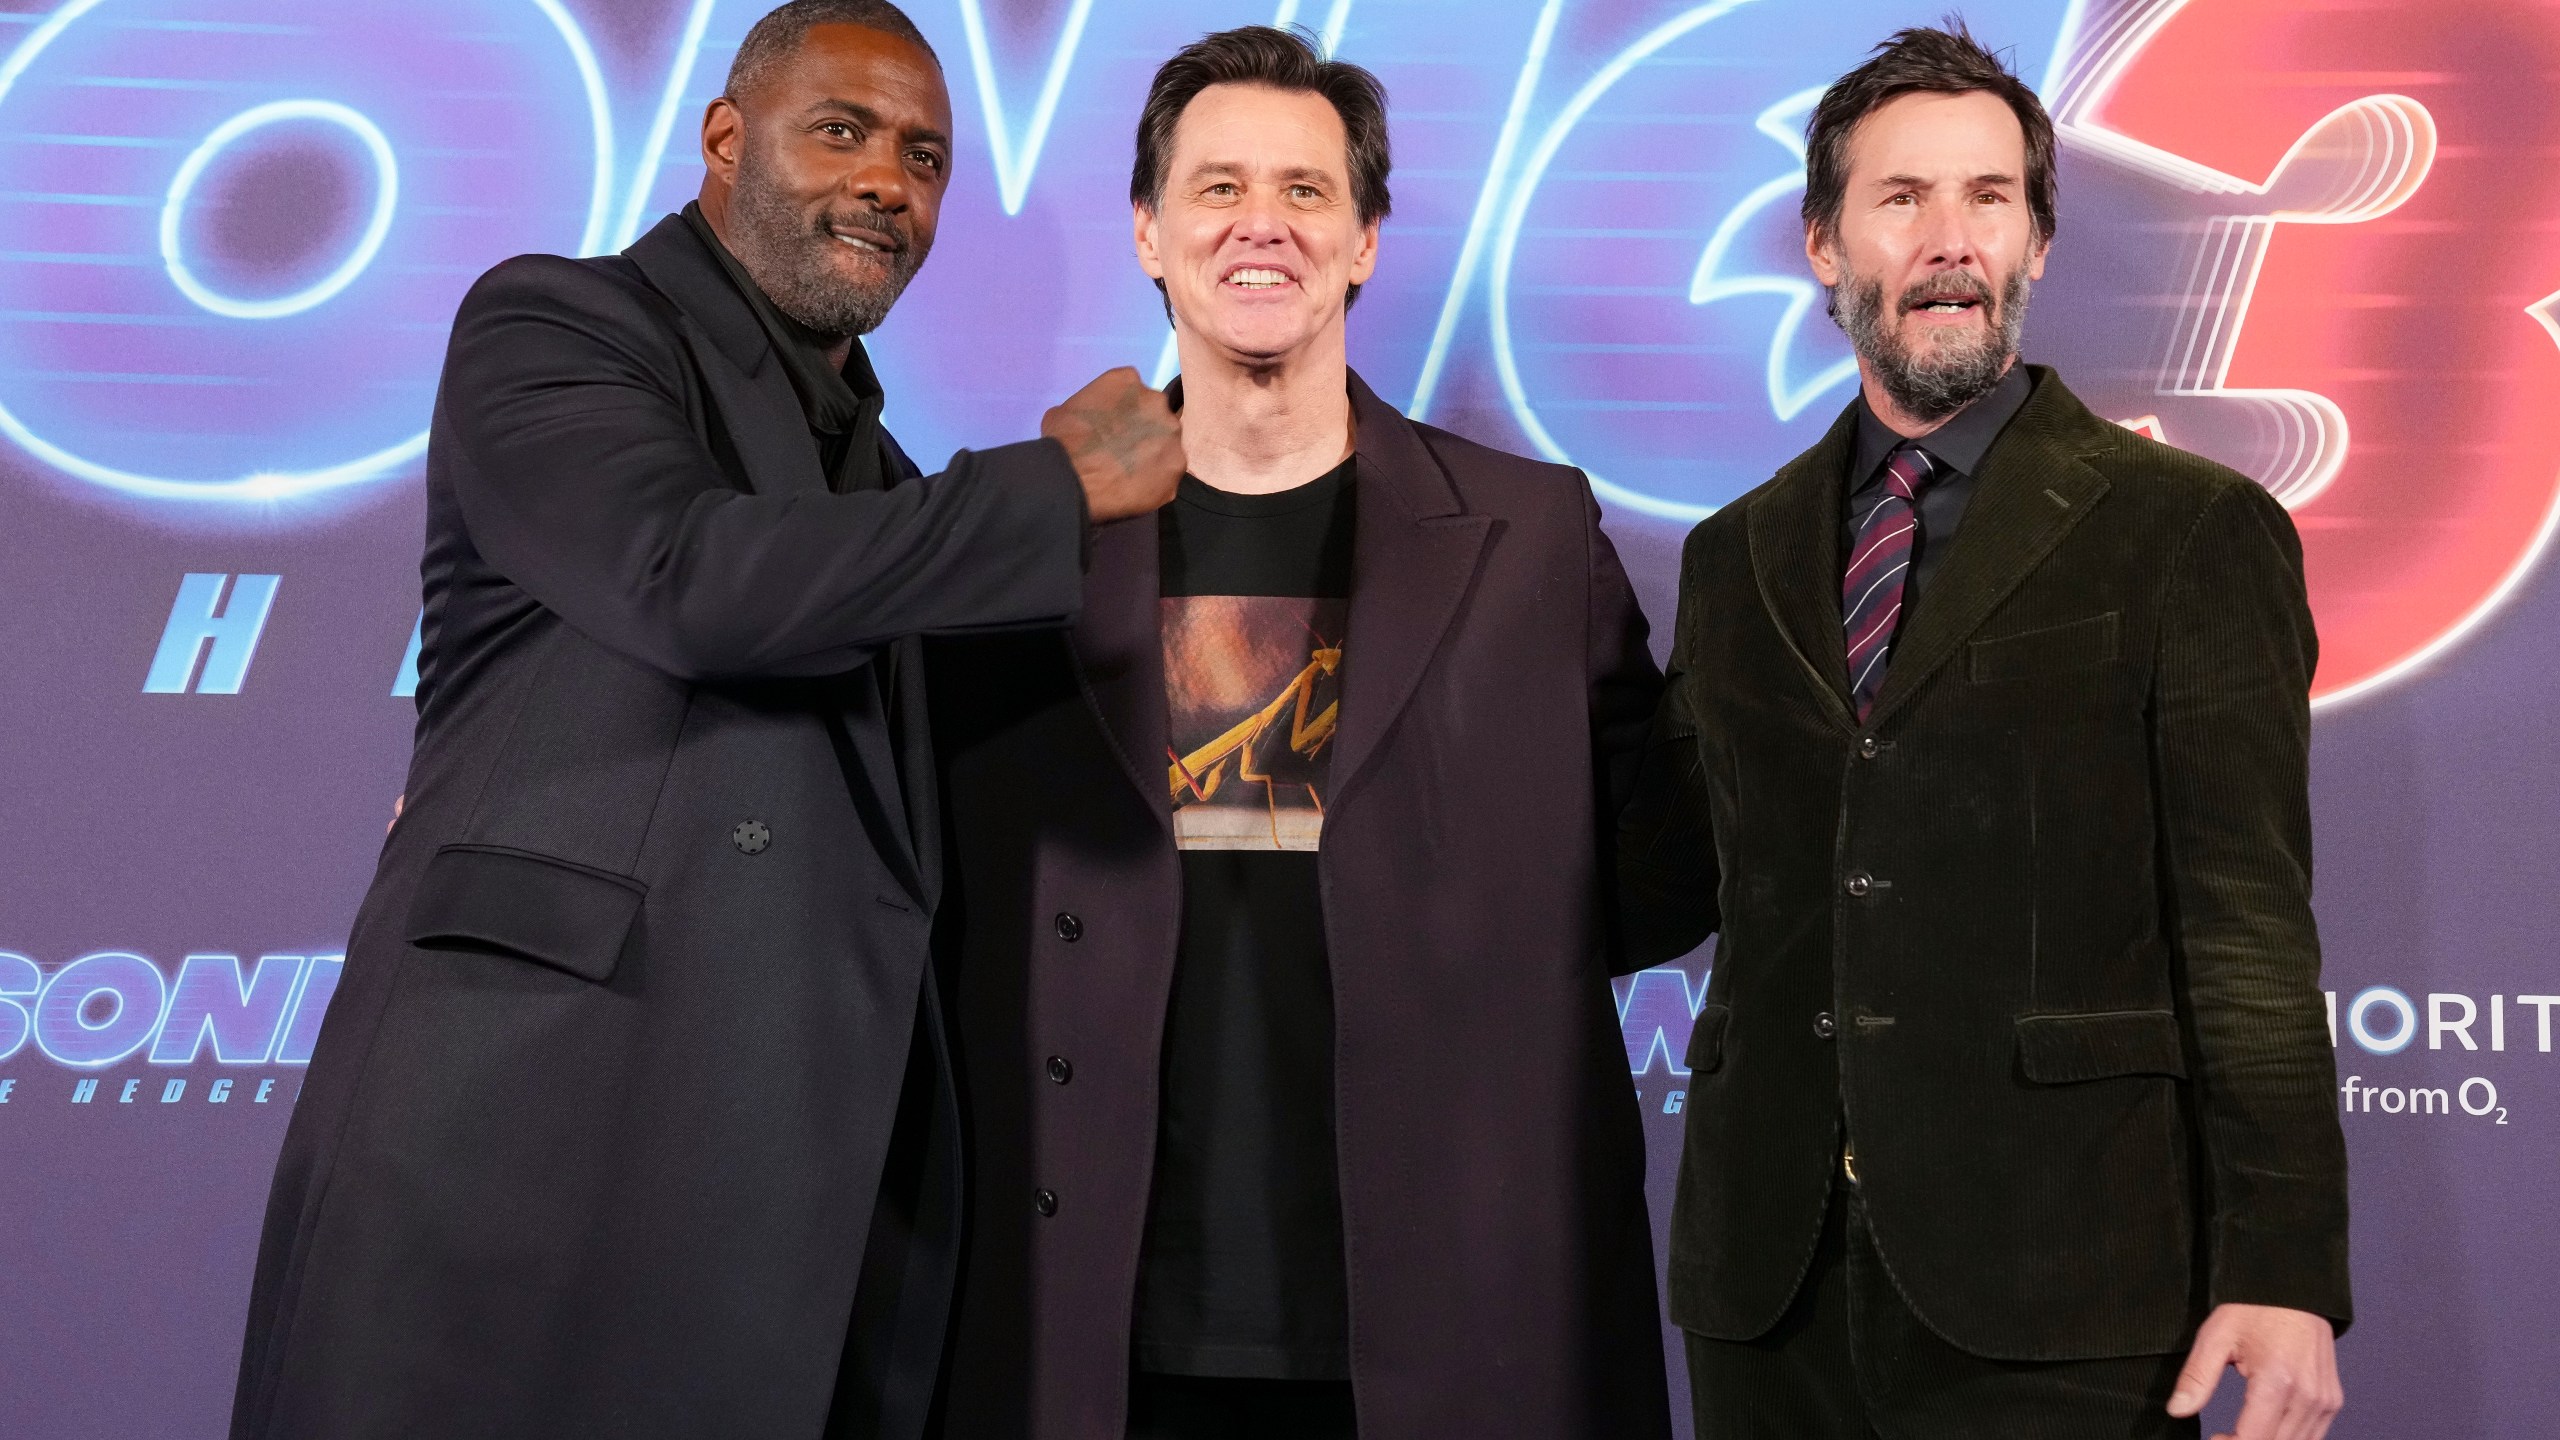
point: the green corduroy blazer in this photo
(2036, 939)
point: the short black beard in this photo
(1959, 371)
(787, 253)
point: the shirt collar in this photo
(835, 400)
(1959, 445)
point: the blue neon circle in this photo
(2362, 1033)
(262, 487)
(386, 170)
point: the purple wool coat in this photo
(1496, 690)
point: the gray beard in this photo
(787, 253)
(1950, 374)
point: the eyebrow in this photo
(870, 119)
(1915, 182)
(1207, 168)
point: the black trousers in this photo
(1850, 1361)
(1187, 1407)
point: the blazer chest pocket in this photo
(2067, 1049)
(535, 907)
(1705, 1054)
(2079, 645)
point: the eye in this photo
(927, 159)
(838, 129)
(1305, 192)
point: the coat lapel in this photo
(1414, 552)
(1119, 651)
(2033, 489)
(1795, 557)
(758, 410)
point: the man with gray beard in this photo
(1984, 755)
(633, 1113)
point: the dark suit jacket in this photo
(2039, 932)
(592, 1138)
(1496, 687)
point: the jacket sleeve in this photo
(2231, 755)
(1666, 860)
(582, 479)
(1625, 685)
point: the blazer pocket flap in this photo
(569, 917)
(1706, 1040)
(2062, 1049)
(2077, 645)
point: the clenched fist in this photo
(1126, 443)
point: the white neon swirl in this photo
(1471, 251)
(267, 487)
(1506, 364)
(386, 170)
(1016, 162)
(653, 147)
(1783, 122)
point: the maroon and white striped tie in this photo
(1879, 563)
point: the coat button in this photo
(1867, 748)
(1070, 929)
(1059, 1070)
(1824, 1027)
(1858, 883)
(751, 837)
(1045, 1201)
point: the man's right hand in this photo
(1126, 443)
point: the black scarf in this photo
(843, 405)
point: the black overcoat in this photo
(1490, 1154)
(592, 1138)
(2038, 933)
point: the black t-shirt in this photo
(1242, 1272)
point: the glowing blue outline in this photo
(1506, 365)
(1705, 287)
(1471, 252)
(653, 150)
(244, 987)
(35, 1013)
(1014, 171)
(274, 112)
(270, 486)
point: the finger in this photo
(2268, 1407)
(2202, 1373)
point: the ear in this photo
(1822, 252)
(2035, 260)
(1142, 226)
(723, 135)
(1364, 260)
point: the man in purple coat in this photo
(1297, 1102)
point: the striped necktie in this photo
(1871, 587)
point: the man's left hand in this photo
(2289, 1358)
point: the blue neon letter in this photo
(19, 982)
(201, 618)
(66, 1028)
(245, 1020)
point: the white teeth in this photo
(1257, 279)
(859, 243)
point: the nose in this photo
(1259, 220)
(878, 179)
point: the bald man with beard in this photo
(632, 1114)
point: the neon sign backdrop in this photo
(1595, 231)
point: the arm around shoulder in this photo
(565, 430)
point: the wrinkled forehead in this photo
(848, 67)
(1259, 132)
(1934, 136)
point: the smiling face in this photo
(1258, 240)
(1930, 260)
(826, 181)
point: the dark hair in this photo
(1280, 60)
(1946, 61)
(776, 38)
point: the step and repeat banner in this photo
(2319, 240)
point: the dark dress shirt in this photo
(842, 402)
(1955, 449)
